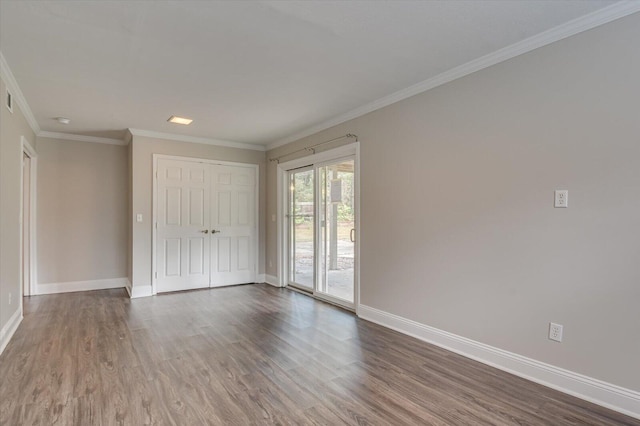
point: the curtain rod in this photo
(312, 148)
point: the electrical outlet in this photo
(561, 198)
(555, 332)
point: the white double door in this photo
(205, 225)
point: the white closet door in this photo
(183, 215)
(233, 225)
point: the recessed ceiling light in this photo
(62, 120)
(179, 120)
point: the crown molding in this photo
(128, 137)
(195, 139)
(12, 84)
(80, 138)
(575, 26)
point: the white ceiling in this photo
(251, 72)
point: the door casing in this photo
(352, 149)
(32, 262)
(154, 209)
(288, 249)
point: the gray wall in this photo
(82, 211)
(143, 149)
(12, 126)
(458, 226)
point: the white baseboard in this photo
(128, 287)
(617, 398)
(260, 278)
(270, 279)
(71, 286)
(9, 329)
(141, 291)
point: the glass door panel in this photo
(336, 266)
(301, 227)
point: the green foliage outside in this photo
(303, 187)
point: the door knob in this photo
(215, 231)
(206, 231)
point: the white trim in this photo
(9, 329)
(33, 197)
(195, 139)
(356, 260)
(324, 297)
(18, 96)
(21, 222)
(599, 17)
(80, 138)
(26, 147)
(271, 280)
(128, 287)
(281, 208)
(72, 286)
(141, 291)
(154, 220)
(608, 395)
(154, 195)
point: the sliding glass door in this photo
(302, 227)
(337, 230)
(322, 228)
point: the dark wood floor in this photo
(250, 355)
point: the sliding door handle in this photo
(352, 235)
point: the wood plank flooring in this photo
(246, 355)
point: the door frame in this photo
(33, 173)
(288, 247)
(154, 200)
(352, 149)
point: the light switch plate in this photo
(139, 217)
(561, 198)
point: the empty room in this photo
(320, 212)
